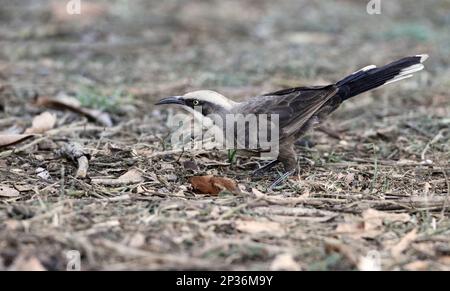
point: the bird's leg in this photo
(264, 168)
(287, 157)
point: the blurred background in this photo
(154, 48)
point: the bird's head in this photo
(204, 101)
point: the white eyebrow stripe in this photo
(211, 97)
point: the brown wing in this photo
(294, 106)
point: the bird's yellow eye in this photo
(195, 102)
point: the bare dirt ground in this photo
(374, 184)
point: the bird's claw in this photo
(281, 179)
(264, 168)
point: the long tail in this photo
(371, 77)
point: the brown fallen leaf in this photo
(12, 139)
(213, 185)
(8, 192)
(131, 177)
(256, 227)
(72, 104)
(42, 123)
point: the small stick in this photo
(76, 153)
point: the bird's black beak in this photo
(171, 100)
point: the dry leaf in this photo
(256, 227)
(132, 176)
(42, 123)
(213, 185)
(284, 262)
(12, 139)
(8, 192)
(73, 105)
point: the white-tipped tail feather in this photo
(423, 57)
(371, 77)
(406, 73)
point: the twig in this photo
(76, 153)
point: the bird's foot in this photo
(264, 168)
(282, 179)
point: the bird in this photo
(299, 108)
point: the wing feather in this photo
(295, 106)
